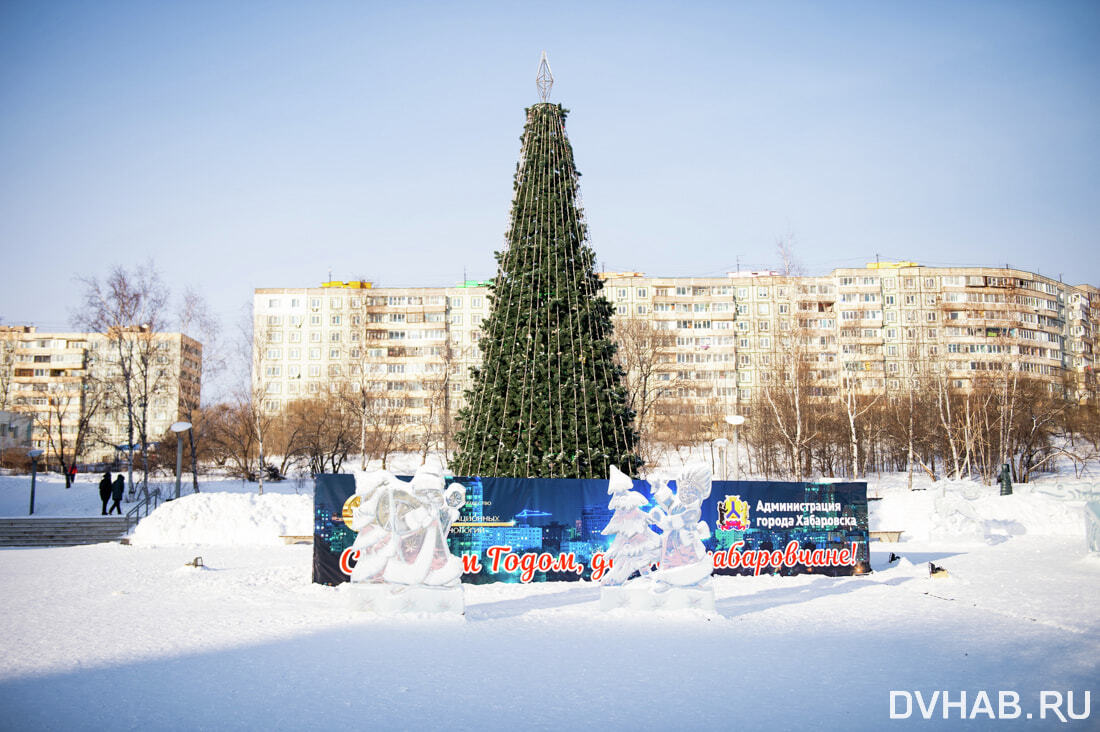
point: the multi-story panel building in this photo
(710, 344)
(411, 348)
(69, 384)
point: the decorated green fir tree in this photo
(547, 400)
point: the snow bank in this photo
(227, 519)
(968, 510)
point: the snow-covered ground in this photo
(128, 637)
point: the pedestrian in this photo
(116, 494)
(72, 473)
(105, 490)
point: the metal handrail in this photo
(141, 509)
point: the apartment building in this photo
(411, 348)
(869, 328)
(715, 341)
(68, 382)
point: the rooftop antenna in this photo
(544, 80)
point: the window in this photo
(763, 308)
(294, 354)
(353, 302)
(295, 302)
(334, 320)
(274, 320)
(742, 293)
(456, 319)
(314, 319)
(315, 336)
(273, 303)
(314, 369)
(475, 302)
(762, 292)
(334, 336)
(455, 302)
(334, 353)
(274, 353)
(642, 310)
(336, 302)
(641, 292)
(315, 303)
(315, 353)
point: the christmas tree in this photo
(547, 400)
(636, 547)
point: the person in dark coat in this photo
(105, 490)
(116, 494)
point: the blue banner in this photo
(535, 530)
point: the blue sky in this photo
(261, 144)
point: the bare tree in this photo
(195, 319)
(646, 355)
(8, 343)
(69, 423)
(128, 307)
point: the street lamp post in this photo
(179, 428)
(33, 455)
(722, 443)
(735, 421)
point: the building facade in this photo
(70, 386)
(706, 345)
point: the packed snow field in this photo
(129, 637)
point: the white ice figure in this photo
(636, 547)
(684, 559)
(403, 529)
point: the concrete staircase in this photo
(32, 531)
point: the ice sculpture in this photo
(683, 577)
(403, 563)
(636, 547)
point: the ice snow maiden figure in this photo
(684, 559)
